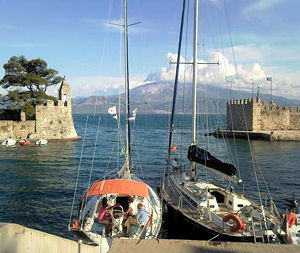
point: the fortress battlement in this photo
(256, 115)
(244, 101)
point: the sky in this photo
(250, 39)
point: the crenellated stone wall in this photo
(240, 114)
(53, 120)
(256, 115)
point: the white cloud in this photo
(284, 84)
(261, 5)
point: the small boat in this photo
(24, 142)
(9, 143)
(41, 142)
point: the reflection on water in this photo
(37, 183)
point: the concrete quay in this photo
(15, 238)
(275, 135)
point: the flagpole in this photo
(269, 79)
(271, 91)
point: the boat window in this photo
(240, 205)
(88, 207)
(212, 206)
(219, 196)
(230, 202)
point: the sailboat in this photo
(119, 196)
(200, 209)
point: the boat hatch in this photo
(219, 197)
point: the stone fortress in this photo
(256, 119)
(256, 115)
(53, 120)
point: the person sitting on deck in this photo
(131, 211)
(139, 219)
(175, 164)
(104, 216)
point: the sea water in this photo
(37, 183)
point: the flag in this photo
(112, 110)
(134, 112)
(269, 79)
(174, 148)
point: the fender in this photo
(292, 219)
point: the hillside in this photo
(157, 98)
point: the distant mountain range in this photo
(157, 98)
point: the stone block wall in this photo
(295, 120)
(254, 115)
(274, 118)
(16, 129)
(55, 121)
(240, 114)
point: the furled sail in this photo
(202, 156)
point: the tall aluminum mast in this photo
(127, 104)
(195, 56)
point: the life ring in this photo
(240, 225)
(292, 219)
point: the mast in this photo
(127, 105)
(176, 82)
(195, 55)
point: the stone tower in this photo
(54, 120)
(64, 93)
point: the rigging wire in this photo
(184, 82)
(79, 168)
(93, 159)
(171, 127)
(245, 122)
(94, 153)
(111, 152)
(104, 45)
(137, 155)
(235, 65)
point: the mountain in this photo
(157, 98)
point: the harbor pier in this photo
(15, 238)
(275, 135)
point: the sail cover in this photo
(202, 156)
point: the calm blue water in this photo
(37, 183)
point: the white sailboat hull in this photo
(198, 206)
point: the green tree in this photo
(28, 80)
